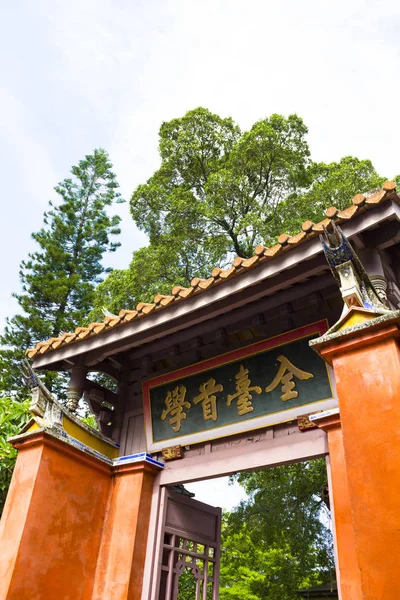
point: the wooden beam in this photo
(235, 320)
(268, 453)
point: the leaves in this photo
(277, 541)
(219, 192)
(13, 415)
(220, 188)
(333, 184)
(58, 279)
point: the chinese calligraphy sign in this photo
(243, 390)
(285, 376)
(175, 403)
(262, 384)
(208, 399)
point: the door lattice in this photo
(189, 568)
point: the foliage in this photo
(218, 193)
(59, 278)
(276, 542)
(13, 415)
(153, 270)
(220, 184)
(90, 421)
(333, 184)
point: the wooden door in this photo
(190, 552)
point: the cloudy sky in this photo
(105, 73)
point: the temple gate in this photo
(265, 363)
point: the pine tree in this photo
(58, 279)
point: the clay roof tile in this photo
(167, 300)
(43, 348)
(320, 226)
(69, 337)
(176, 289)
(359, 199)
(57, 343)
(130, 315)
(296, 239)
(376, 198)
(82, 332)
(98, 327)
(307, 226)
(31, 353)
(283, 239)
(348, 213)
(250, 262)
(115, 321)
(148, 308)
(389, 186)
(225, 273)
(215, 272)
(273, 250)
(204, 284)
(331, 212)
(185, 292)
(259, 250)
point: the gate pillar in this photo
(366, 361)
(75, 524)
(119, 574)
(348, 571)
(51, 526)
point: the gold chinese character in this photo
(243, 390)
(288, 385)
(175, 401)
(206, 396)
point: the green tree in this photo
(154, 269)
(218, 193)
(219, 187)
(277, 541)
(332, 184)
(58, 279)
(13, 415)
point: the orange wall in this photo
(15, 513)
(347, 564)
(73, 528)
(121, 560)
(55, 509)
(367, 371)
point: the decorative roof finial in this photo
(355, 285)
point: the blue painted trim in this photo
(140, 457)
(323, 414)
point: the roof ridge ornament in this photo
(356, 287)
(44, 404)
(50, 415)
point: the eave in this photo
(293, 264)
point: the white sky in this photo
(87, 73)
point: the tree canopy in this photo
(219, 192)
